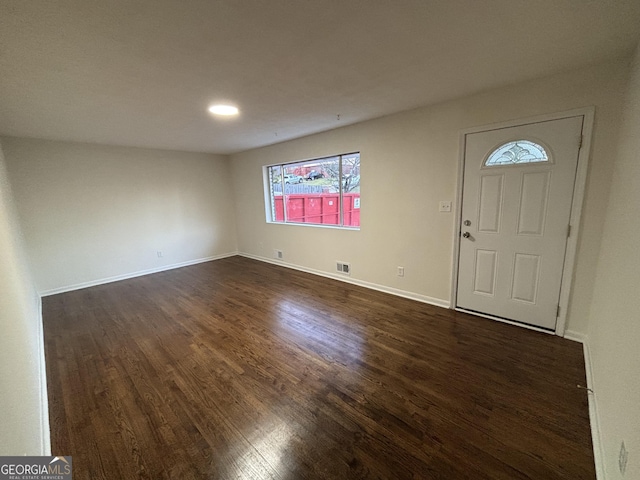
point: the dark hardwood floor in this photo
(237, 369)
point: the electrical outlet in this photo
(401, 271)
(445, 206)
(159, 254)
(623, 457)
(278, 254)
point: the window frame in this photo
(536, 142)
(270, 207)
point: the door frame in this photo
(576, 207)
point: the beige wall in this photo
(614, 327)
(409, 164)
(92, 212)
(24, 425)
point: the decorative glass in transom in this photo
(518, 152)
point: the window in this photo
(518, 152)
(323, 191)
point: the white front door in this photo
(516, 205)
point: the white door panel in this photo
(490, 203)
(532, 213)
(511, 264)
(485, 274)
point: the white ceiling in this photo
(142, 72)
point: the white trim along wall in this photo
(594, 420)
(438, 302)
(140, 273)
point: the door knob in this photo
(466, 234)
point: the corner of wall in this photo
(611, 346)
(24, 405)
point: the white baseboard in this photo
(45, 428)
(117, 278)
(373, 286)
(594, 418)
(575, 336)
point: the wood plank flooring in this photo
(237, 369)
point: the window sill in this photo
(315, 225)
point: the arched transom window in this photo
(517, 152)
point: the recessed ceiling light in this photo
(225, 110)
